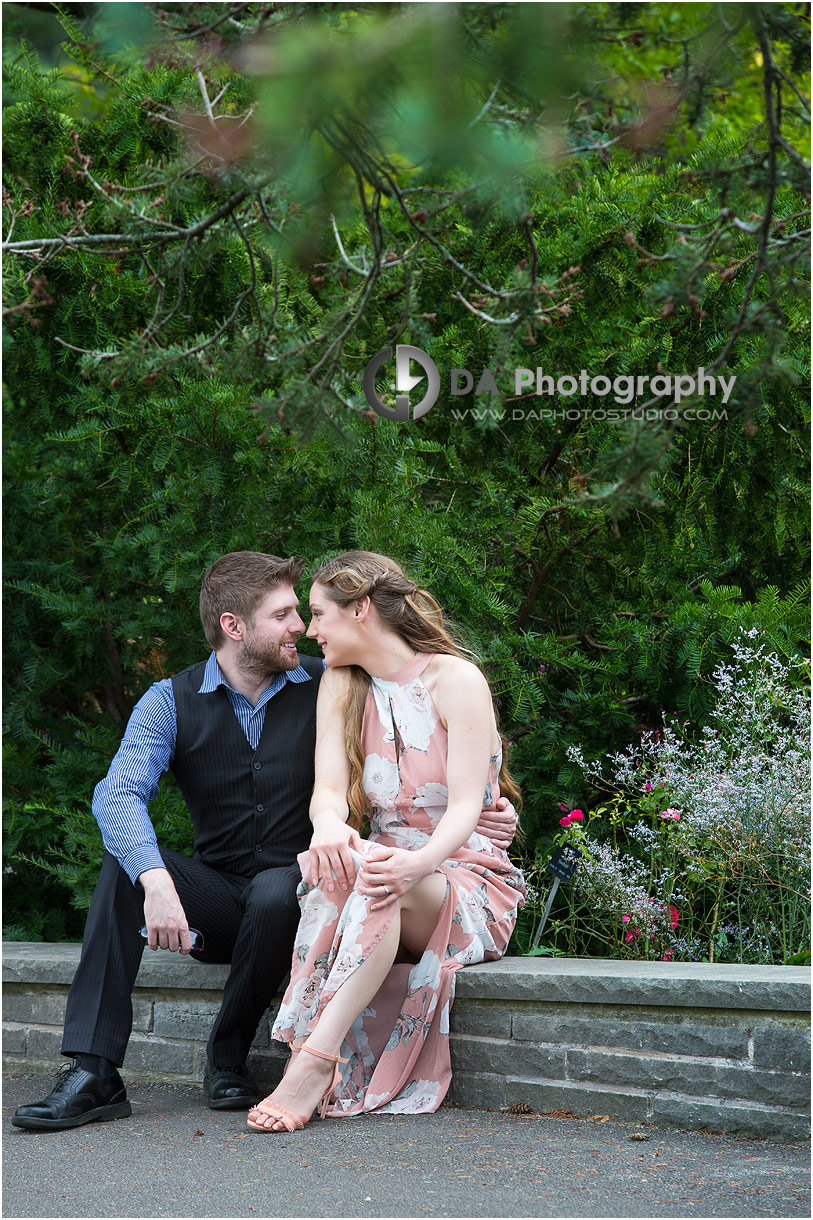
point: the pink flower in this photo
(665, 815)
(563, 807)
(668, 956)
(673, 915)
(675, 815)
(576, 815)
(626, 918)
(647, 786)
(564, 821)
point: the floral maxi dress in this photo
(398, 1048)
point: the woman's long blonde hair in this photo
(416, 617)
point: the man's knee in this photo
(272, 894)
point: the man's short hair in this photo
(237, 583)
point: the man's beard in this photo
(263, 659)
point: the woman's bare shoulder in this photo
(455, 674)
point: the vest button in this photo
(260, 808)
(259, 847)
(257, 766)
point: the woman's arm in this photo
(462, 697)
(332, 837)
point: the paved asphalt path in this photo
(174, 1157)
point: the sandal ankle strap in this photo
(322, 1054)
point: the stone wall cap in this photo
(591, 980)
(32, 962)
(565, 979)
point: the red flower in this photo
(564, 821)
(576, 815)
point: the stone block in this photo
(609, 981)
(161, 969)
(153, 1059)
(509, 1058)
(778, 1046)
(267, 1068)
(476, 1091)
(13, 1039)
(142, 1016)
(44, 1046)
(689, 1077)
(580, 1099)
(33, 962)
(263, 1035)
(725, 1041)
(487, 1020)
(692, 1114)
(30, 1008)
(192, 1019)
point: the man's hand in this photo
(163, 914)
(500, 824)
(330, 850)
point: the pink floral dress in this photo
(398, 1048)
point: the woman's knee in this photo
(420, 911)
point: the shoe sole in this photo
(104, 1114)
(232, 1103)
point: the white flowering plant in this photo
(700, 847)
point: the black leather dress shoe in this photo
(78, 1097)
(229, 1088)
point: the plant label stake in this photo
(563, 864)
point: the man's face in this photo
(270, 636)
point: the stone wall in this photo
(723, 1048)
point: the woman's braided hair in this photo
(411, 613)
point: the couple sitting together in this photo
(394, 731)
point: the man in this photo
(239, 732)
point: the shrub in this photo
(700, 848)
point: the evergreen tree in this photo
(212, 225)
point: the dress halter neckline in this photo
(409, 671)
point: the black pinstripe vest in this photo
(249, 808)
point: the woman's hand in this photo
(390, 872)
(500, 824)
(330, 850)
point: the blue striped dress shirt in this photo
(120, 801)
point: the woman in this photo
(406, 736)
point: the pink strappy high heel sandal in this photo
(291, 1121)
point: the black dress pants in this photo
(248, 921)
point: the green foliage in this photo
(173, 397)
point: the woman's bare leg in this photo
(307, 1077)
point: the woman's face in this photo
(334, 629)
